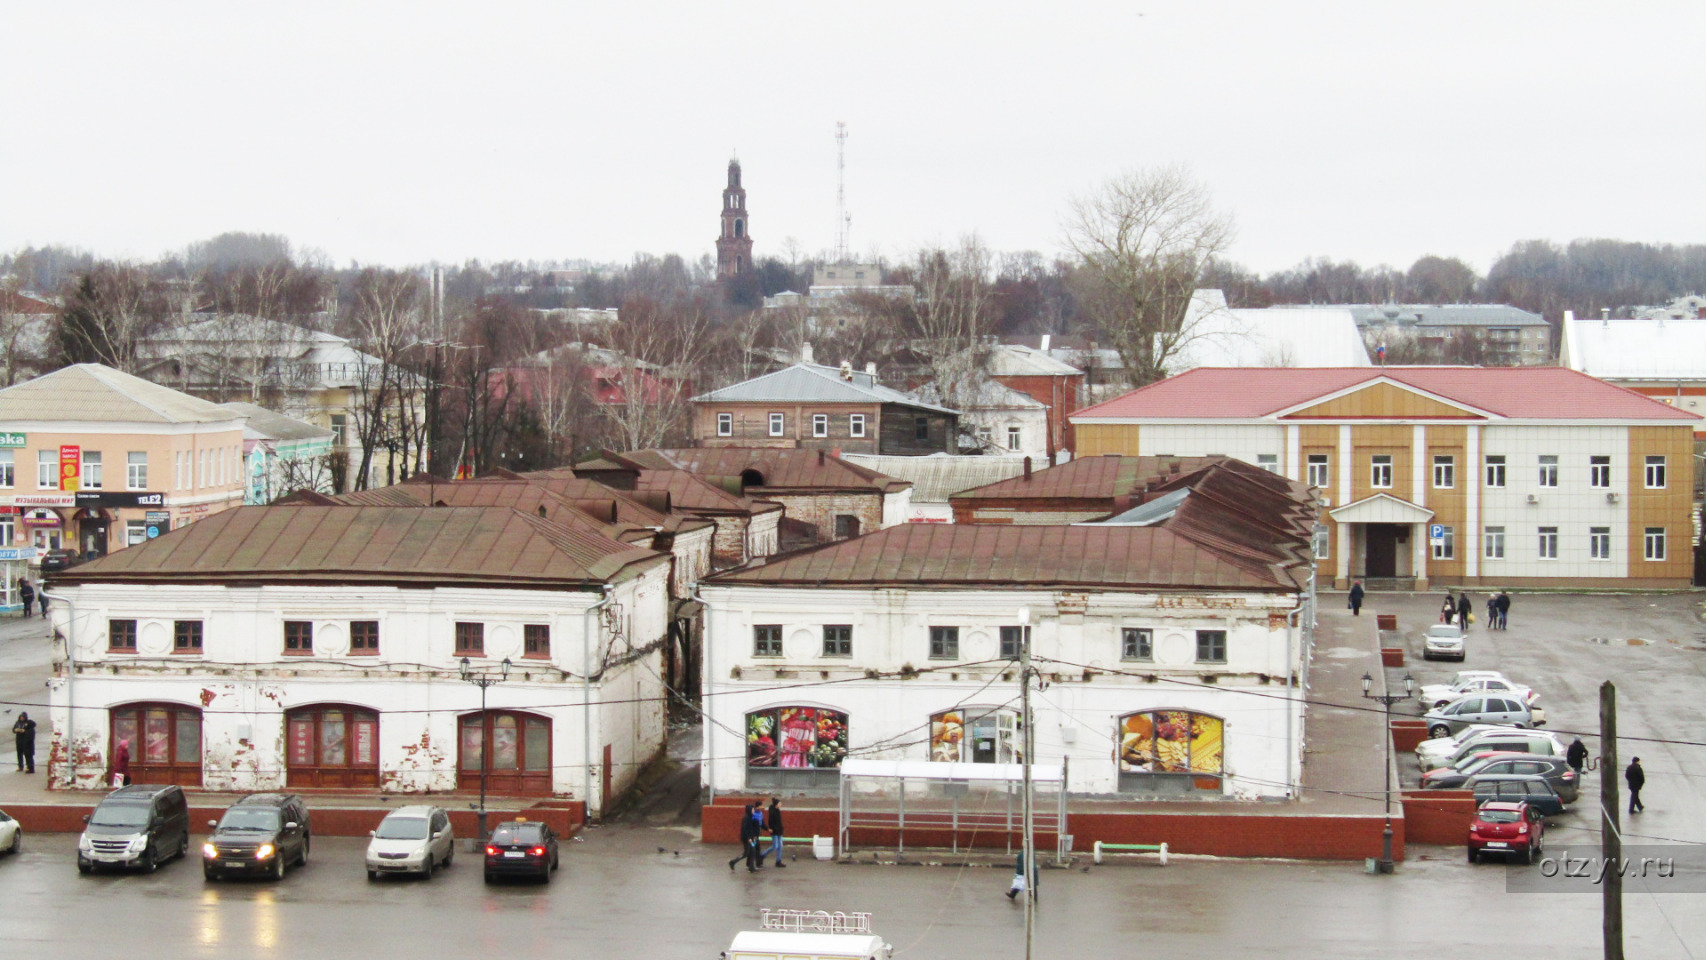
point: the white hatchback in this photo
(1443, 641)
(411, 840)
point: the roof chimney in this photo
(822, 458)
(1027, 468)
(1046, 338)
(1605, 315)
(806, 352)
(846, 371)
(871, 369)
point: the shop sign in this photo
(157, 522)
(45, 500)
(70, 467)
(88, 499)
(17, 553)
(12, 440)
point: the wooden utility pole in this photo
(1610, 829)
(1030, 845)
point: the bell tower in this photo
(734, 245)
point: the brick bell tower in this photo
(734, 246)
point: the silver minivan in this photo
(1482, 708)
(414, 839)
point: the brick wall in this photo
(820, 510)
(1059, 395)
(728, 544)
(1439, 816)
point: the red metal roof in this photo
(1549, 393)
(778, 469)
(1087, 478)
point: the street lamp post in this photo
(484, 681)
(1385, 864)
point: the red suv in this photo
(1509, 828)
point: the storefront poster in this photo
(1171, 741)
(70, 469)
(796, 737)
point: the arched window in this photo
(165, 742)
(331, 745)
(740, 227)
(794, 746)
(1170, 752)
(976, 735)
(751, 478)
(513, 748)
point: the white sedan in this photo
(1436, 695)
(11, 835)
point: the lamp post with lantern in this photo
(1385, 864)
(484, 681)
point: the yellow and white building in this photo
(1495, 477)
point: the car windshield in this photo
(402, 828)
(517, 834)
(1500, 816)
(1444, 630)
(120, 815)
(250, 818)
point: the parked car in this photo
(1482, 738)
(59, 559)
(1482, 708)
(1537, 792)
(1443, 641)
(1554, 769)
(1507, 828)
(413, 839)
(11, 835)
(1440, 694)
(523, 848)
(141, 825)
(263, 833)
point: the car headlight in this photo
(265, 851)
(138, 845)
(209, 851)
(84, 844)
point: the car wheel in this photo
(302, 858)
(426, 871)
(450, 855)
(1439, 731)
(184, 845)
(488, 876)
(1472, 856)
(372, 875)
(17, 843)
(84, 867)
(149, 863)
(278, 866)
(555, 861)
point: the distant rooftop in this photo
(91, 392)
(813, 383)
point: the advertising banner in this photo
(70, 467)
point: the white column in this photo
(1342, 566)
(1293, 452)
(1418, 465)
(1419, 552)
(1469, 540)
(1343, 496)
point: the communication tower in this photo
(843, 219)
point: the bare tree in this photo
(106, 313)
(660, 348)
(1143, 243)
(387, 315)
(954, 307)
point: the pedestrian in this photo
(1020, 882)
(121, 764)
(1637, 778)
(1356, 598)
(27, 594)
(1577, 757)
(1464, 608)
(775, 823)
(24, 740)
(1448, 610)
(41, 598)
(1504, 609)
(748, 840)
(1492, 612)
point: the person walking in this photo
(748, 839)
(1492, 612)
(1356, 598)
(1448, 610)
(1637, 779)
(121, 764)
(1020, 881)
(1504, 609)
(1577, 757)
(775, 824)
(1464, 608)
(27, 595)
(41, 598)
(24, 740)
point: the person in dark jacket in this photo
(24, 739)
(121, 764)
(1020, 881)
(1356, 598)
(1464, 607)
(1448, 609)
(26, 595)
(775, 824)
(1577, 757)
(748, 839)
(1637, 779)
(1504, 609)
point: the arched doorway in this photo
(512, 747)
(331, 745)
(165, 742)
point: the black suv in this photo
(260, 834)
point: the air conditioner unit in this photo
(1533, 498)
(1326, 501)
(1612, 497)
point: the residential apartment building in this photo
(1511, 336)
(1496, 477)
(816, 407)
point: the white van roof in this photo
(750, 944)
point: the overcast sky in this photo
(405, 132)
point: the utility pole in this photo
(1030, 843)
(1610, 827)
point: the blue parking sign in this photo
(1436, 531)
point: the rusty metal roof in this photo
(347, 545)
(604, 517)
(778, 470)
(1088, 478)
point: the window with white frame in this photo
(179, 459)
(1014, 440)
(8, 530)
(1137, 643)
(1496, 471)
(1319, 474)
(1445, 547)
(47, 469)
(1268, 462)
(1380, 471)
(855, 424)
(92, 473)
(1493, 543)
(820, 425)
(1548, 543)
(1599, 543)
(777, 423)
(1654, 543)
(1599, 472)
(725, 424)
(1548, 470)
(1445, 472)
(1655, 473)
(1323, 543)
(8, 469)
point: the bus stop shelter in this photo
(954, 805)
